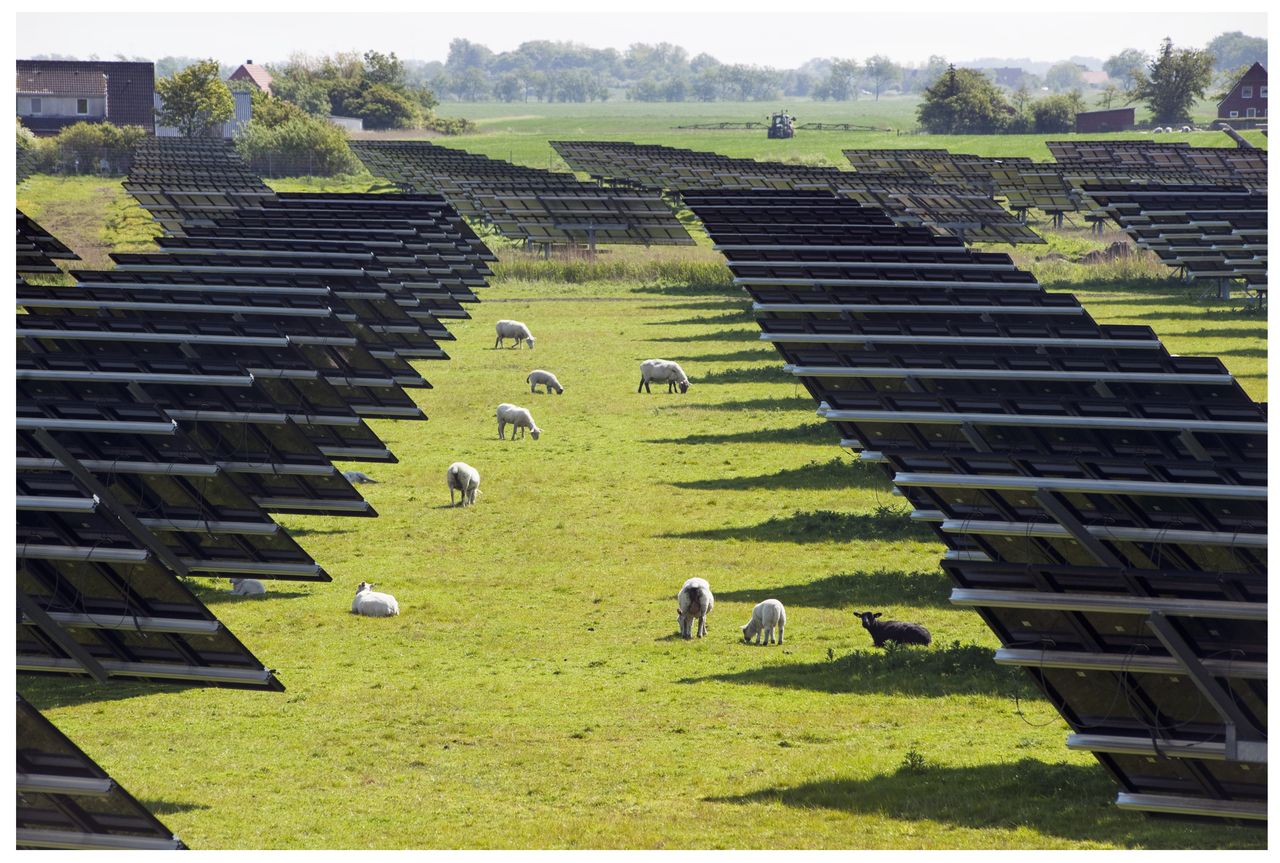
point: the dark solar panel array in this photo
(38, 250)
(960, 205)
(539, 207)
(66, 801)
(168, 406)
(1206, 231)
(1103, 502)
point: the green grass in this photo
(519, 131)
(533, 693)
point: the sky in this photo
(768, 38)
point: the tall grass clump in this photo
(578, 267)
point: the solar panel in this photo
(539, 207)
(65, 800)
(38, 250)
(1102, 501)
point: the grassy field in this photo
(533, 692)
(519, 131)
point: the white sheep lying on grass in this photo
(519, 418)
(547, 379)
(663, 370)
(465, 479)
(513, 330)
(247, 587)
(694, 602)
(764, 617)
(370, 603)
(358, 477)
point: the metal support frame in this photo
(1062, 514)
(1245, 741)
(61, 637)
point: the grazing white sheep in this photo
(247, 587)
(358, 477)
(1158, 130)
(544, 377)
(370, 603)
(465, 479)
(513, 330)
(1187, 129)
(663, 370)
(764, 617)
(694, 602)
(521, 421)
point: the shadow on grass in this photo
(836, 473)
(1241, 333)
(824, 525)
(316, 531)
(965, 669)
(169, 807)
(710, 305)
(881, 588)
(51, 692)
(1065, 800)
(724, 292)
(819, 432)
(1242, 352)
(214, 596)
(768, 354)
(796, 404)
(740, 335)
(771, 374)
(735, 317)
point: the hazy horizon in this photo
(764, 39)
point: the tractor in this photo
(782, 126)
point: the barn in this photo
(1110, 120)
(1248, 98)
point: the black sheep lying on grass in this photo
(893, 630)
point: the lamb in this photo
(247, 587)
(663, 370)
(547, 379)
(1187, 129)
(465, 479)
(694, 601)
(370, 603)
(764, 617)
(513, 330)
(520, 419)
(893, 630)
(358, 477)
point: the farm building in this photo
(1110, 120)
(1248, 98)
(254, 74)
(52, 94)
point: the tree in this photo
(1053, 114)
(382, 107)
(383, 69)
(1125, 66)
(1063, 76)
(1110, 95)
(1021, 98)
(1173, 81)
(964, 101)
(465, 54)
(1234, 49)
(842, 81)
(509, 88)
(883, 72)
(310, 97)
(196, 100)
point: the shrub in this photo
(89, 148)
(1054, 114)
(299, 145)
(451, 125)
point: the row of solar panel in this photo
(167, 407)
(955, 206)
(538, 207)
(1102, 501)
